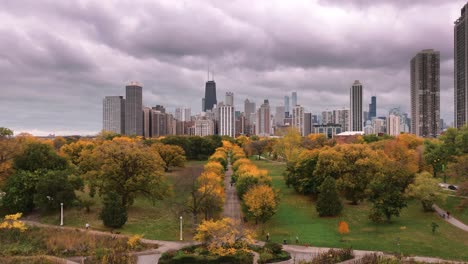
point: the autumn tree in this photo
(251, 178)
(289, 146)
(328, 202)
(261, 203)
(9, 148)
(257, 147)
(211, 192)
(127, 167)
(343, 229)
(301, 175)
(171, 155)
(73, 151)
(223, 237)
(425, 189)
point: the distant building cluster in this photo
(128, 115)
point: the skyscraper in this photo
(425, 93)
(227, 120)
(210, 95)
(355, 114)
(279, 116)
(147, 122)
(229, 99)
(183, 114)
(307, 123)
(286, 106)
(373, 108)
(294, 99)
(461, 68)
(341, 117)
(298, 119)
(134, 109)
(113, 118)
(263, 120)
(393, 125)
(249, 112)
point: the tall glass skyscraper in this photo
(134, 109)
(372, 108)
(210, 95)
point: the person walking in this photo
(268, 237)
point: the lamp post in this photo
(181, 228)
(61, 214)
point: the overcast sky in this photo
(58, 59)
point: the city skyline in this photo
(71, 68)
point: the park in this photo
(221, 199)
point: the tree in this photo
(250, 179)
(73, 151)
(343, 229)
(435, 155)
(459, 168)
(127, 167)
(211, 191)
(328, 202)
(289, 146)
(223, 237)
(5, 132)
(114, 213)
(36, 156)
(9, 148)
(261, 202)
(59, 142)
(53, 188)
(172, 156)
(301, 174)
(20, 189)
(425, 189)
(257, 147)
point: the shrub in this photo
(113, 214)
(274, 248)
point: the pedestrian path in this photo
(232, 207)
(452, 220)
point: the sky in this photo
(59, 59)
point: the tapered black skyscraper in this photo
(210, 95)
(373, 108)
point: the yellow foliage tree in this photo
(289, 146)
(223, 237)
(12, 222)
(172, 156)
(215, 167)
(261, 202)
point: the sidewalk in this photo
(455, 222)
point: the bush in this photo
(113, 214)
(274, 248)
(199, 255)
(333, 256)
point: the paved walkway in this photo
(455, 222)
(232, 207)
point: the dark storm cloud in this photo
(58, 59)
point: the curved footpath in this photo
(452, 220)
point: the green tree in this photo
(114, 213)
(20, 189)
(53, 188)
(5, 132)
(328, 202)
(127, 167)
(435, 155)
(425, 189)
(37, 156)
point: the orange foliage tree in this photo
(343, 229)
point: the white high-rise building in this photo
(279, 116)
(113, 117)
(298, 119)
(341, 117)
(393, 125)
(378, 125)
(204, 127)
(327, 117)
(227, 120)
(229, 99)
(183, 114)
(355, 108)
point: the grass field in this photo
(297, 216)
(154, 221)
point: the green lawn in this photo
(296, 216)
(154, 221)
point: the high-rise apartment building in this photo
(210, 95)
(113, 118)
(307, 123)
(341, 117)
(286, 106)
(355, 114)
(372, 108)
(279, 116)
(134, 109)
(263, 120)
(147, 122)
(298, 118)
(227, 121)
(294, 99)
(393, 125)
(183, 114)
(204, 127)
(425, 93)
(461, 68)
(327, 117)
(355, 107)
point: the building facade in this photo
(393, 125)
(329, 130)
(204, 127)
(298, 118)
(227, 121)
(113, 118)
(425, 93)
(461, 68)
(341, 116)
(355, 107)
(210, 95)
(134, 109)
(372, 108)
(262, 126)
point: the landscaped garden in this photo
(410, 233)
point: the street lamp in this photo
(181, 228)
(61, 214)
